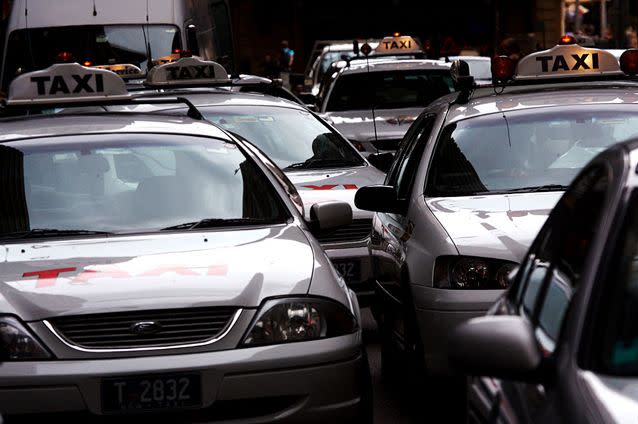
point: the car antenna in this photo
(366, 49)
(147, 44)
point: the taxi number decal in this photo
(393, 45)
(60, 85)
(190, 72)
(560, 63)
(331, 186)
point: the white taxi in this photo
(317, 159)
(153, 266)
(474, 181)
(374, 101)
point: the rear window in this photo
(389, 90)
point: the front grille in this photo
(173, 327)
(387, 144)
(357, 231)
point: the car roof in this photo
(77, 123)
(485, 100)
(379, 65)
(217, 97)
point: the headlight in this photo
(301, 319)
(17, 343)
(470, 273)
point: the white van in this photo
(108, 32)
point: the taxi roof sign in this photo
(124, 70)
(187, 71)
(66, 83)
(563, 61)
(400, 44)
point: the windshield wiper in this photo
(320, 163)
(52, 232)
(532, 189)
(219, 222)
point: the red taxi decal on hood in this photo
(331, 186)
(47, 277)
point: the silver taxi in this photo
(373, 102)
(317, 159)
(153, 264)
(474, 181)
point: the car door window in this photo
(565, 243)
(409, 157)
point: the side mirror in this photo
(500, 346)
(381, 161)
(330, 215)
(379, 198)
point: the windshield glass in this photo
(130, 183)
(526, 150)
(292, 138)
(39, 48)
(388, 90)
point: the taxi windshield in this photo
(128, 183)
(388, 89)
(525, 151)
(39, 48)
(292, 138)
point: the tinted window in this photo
(533, 287)
(130, 183)
(408, 168)
(292, 138)
(559, 293)
(388, 90)
(521, 151)
(39, 48)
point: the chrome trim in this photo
(149, 348)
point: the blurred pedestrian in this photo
(286, 57)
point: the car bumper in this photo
(363, 286)
(303, 390)
(439, 312)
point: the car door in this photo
(541, 294)
(391, 230)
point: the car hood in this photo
(494, 226)
(44, 279)
(334, 184)
(617, 397)
(357, 124)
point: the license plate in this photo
(349, 270)
(151, 393)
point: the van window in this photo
(39, 48)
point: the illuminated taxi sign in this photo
(66, 83)
(124, 70)
(567, 61)
(400, 44)
(187, 71)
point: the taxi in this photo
(475, 179)
(318, 160)
(155, 264)
(566, 329)
(373, 101)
